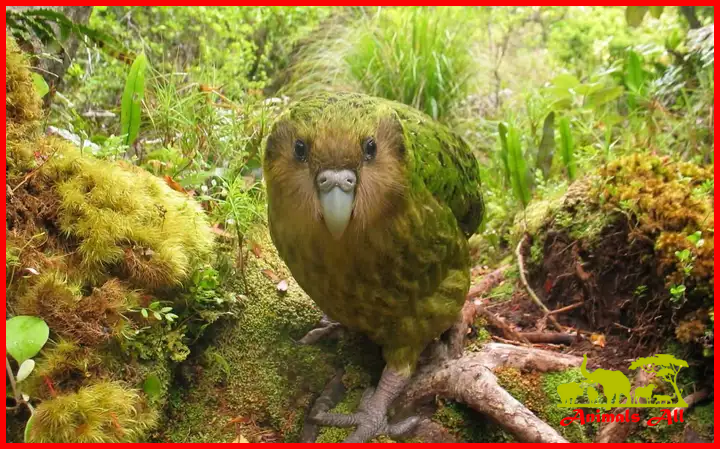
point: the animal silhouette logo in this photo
(615, 386)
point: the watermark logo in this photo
(616, 392)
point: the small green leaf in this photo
(502, 131)
(518, 168)
(132, 99)
(157, 316)
(634, 75)
(28, 428)
(144, 312)
(565, 81)
(152, 386)
(40, 85)
(695, 237)
(604, 96)
(25, 336)
(656, 11)
(165, 309)
(683, 255)
(546, 149)
(635, 14)
(25, 369)
(567, 149)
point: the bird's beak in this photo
(336, 190)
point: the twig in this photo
(531, 293)
(566, 308)
(13, 385)
(493, 320)
(488, 282)
(32, 172)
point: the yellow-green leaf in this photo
(635, 14)
(132, 99)
(656, 11)
(40, 85)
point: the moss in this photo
(89, 242)
(552, 414)
(271, 377)
(468, 425)
(106, 412)
(701, 419)
(660, 194)
(22, 104)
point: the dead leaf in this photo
(256, 249)
(174, 184)
(282, 286)
(270, 275)
(239, 420)
(32, 271)
(240, 439)
(598, 340)
(221, 232)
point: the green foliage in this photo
(42, 23)
(132, 99)
(25, 336)
(417, 56)
(567, 148)
(516, 170)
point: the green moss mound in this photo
(254, 378)
(102, 252)
(635, 241)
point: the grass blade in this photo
(132, 99)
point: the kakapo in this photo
(370, 204)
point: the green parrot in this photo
(370, 204)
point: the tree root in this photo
(470, 380)
(617, 432)
(530, 291)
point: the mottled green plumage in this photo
(401, 272)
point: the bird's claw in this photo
(369, 421)
(326, 328)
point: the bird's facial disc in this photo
(336, 190)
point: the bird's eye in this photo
(300, 150)
(369, 148)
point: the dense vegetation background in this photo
(594, 127)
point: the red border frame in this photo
(3, 175)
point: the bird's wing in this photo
(444, 163)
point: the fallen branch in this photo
(530, 291)
(549, 337)
(566, 308)
(470, 380)
(694, 398)
(487, 283)
(496, 322)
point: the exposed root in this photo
(530, 291)
(617, 432)
(470, 380)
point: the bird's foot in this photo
(371, 418)
(326, 328)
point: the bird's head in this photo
(336, 162)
